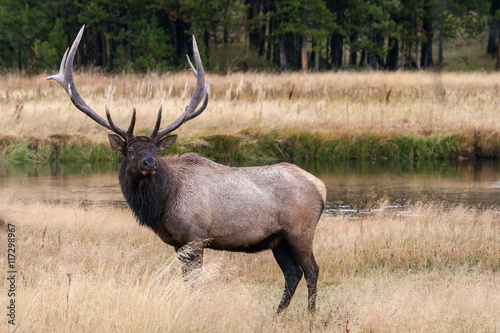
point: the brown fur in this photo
(194, 203)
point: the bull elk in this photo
(193, 203)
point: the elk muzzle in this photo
(149, 166)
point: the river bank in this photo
(270, 147)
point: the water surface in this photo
(350, 185)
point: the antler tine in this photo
(201, 90)
(154, 133)
(185, 116)
(112, 125)
(130, 130)
(65, 79)
(203, 106)
(199, 73)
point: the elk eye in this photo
(130, 150)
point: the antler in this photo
(202, 89)
(65, 79)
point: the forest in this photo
(139, 36)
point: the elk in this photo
(193, 203)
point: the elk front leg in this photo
(191, 257)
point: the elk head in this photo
(140, 151)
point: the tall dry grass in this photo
(329, 103)
(89, 269)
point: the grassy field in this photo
(89, 269)
(370, 115)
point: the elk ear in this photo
(166, 142)
(117, 143)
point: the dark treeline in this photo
(143, 35)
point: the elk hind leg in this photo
(304, 255)
(311, 275)
(291, 270)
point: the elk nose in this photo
(150, 164)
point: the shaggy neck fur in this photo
(147, 195)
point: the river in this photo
(352, 186)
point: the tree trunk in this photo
(441, 45)
(392, 54)
(11, 55)
(316, 61)
(426, 55)
(415, 29)
(493, 35)
(402, 58)
(362, 60)
(442, 6)
(303, 53)
(129, 24)
(245, 53)
(263, 30)
(254, 35)
(283, 64)
(417, 64)
(206, 40)
(84, 60)
(336, 50)
(79, 57)
(498, 60)
(492, 40)
(109, 62)
(427, 29)
(98, 48)
(179, 29)
(268, 33)
(214, 33)
(380, 40)
(312, 55)
(353, 56)
(296, 52)
(226, 37)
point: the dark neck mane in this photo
(147, 196)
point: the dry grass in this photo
(328, 103)
(94, 269)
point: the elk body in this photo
(193, 203)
